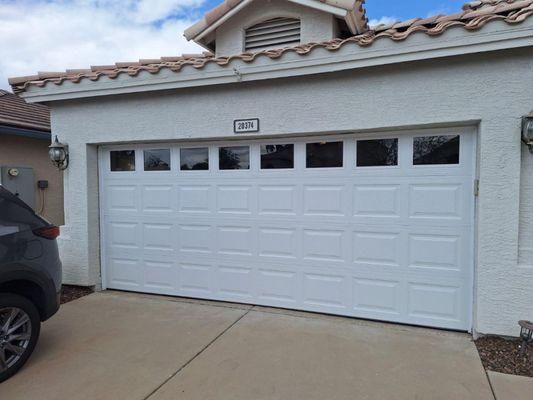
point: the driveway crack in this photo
(198, 353)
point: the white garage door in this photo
(378, 227)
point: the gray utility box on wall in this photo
(20, 181)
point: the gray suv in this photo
(30, 280)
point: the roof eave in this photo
(494, 37)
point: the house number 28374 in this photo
(246, 125)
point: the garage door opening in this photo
(377, 227)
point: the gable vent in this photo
(277, 32)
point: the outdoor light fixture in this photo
(527, 131)
(526, 334)
(59, 154)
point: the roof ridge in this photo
(509, 11)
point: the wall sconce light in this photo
(59, 154)
(527, 131)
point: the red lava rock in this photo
(70, 293)
(504, 355)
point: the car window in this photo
(15, 215)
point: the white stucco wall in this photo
(461, 90)
(526, 210)
(316, 26)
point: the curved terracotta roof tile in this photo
(474, 17)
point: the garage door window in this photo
(157, 160)
(122, 161)
(377, 153)
(194, 159)
(236, 157)
(277, 156)
(432, 150)
(324, 155)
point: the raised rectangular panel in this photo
(376, 248)
(434, 252)
(122, 198)
(158, 237)
(235, 281)
(125, 272)
(376, 201)
(277, 200)
(157, 198)
(277, 242)
(234, 199)
(376, 295)
(159, 275)
(235, 240)
(194, 199)
(434, 301)
(322, 245)
(324, 290)
(435, 201)
(123, 235)
(195, 278)
(195, 238)
(277, 285)
(323, 200)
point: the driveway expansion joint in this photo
(198, 353)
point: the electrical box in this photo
(20, 181)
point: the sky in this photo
(53, 35)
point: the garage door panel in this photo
(195, 278)
(235, 240)
(196, 238)
(378, 201)
(392, 243)
(277, 200)
(194, 199)
(234, 199)
(381, 296)
(278, 242)
(325, 200)
(326, 291)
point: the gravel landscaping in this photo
(504, 355)
(70, 293)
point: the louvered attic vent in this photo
(274, 33)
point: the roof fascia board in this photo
(468, 43)
(222, 20)
(33, 134)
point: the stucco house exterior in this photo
(24, 140)
(309, 161)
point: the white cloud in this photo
(53, 35)
(383, 20)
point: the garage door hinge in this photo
(476, 187)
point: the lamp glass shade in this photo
(527, 130)
(57, 154)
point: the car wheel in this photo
(20, 326)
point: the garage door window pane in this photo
(194, 159)
(324, 155)
(237, 157)
(431, 150)
(123, 160)
(157, 160)
(275, 156)
(377, 153)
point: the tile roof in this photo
(15, 112)
(474, 16)
(217, 13)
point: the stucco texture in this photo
(26, 152)
(489, 91)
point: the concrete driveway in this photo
(114, 345)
